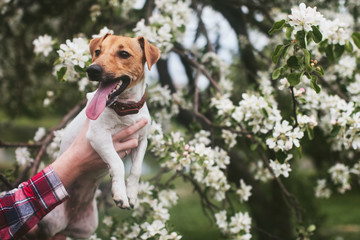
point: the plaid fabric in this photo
(23, 207)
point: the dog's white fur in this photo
(84, 223)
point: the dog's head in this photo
(118, 64)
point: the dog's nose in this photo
(94, 72)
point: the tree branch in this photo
(197, 65)
(332, 88)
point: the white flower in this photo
(302, 18)
(336, 31)
(43, 45)
(145, 188)
(346, 66)
(244, 191)
(40, 133)
(23, 157)
(168, 198)
(102, 32)
(108, 221)
(46, 102)
(222, 103)
(135, 231)
(321, 191)
(240, 222)
(166, 24)
(54, 146)
(229, 138)
(280, 169)
(221, 221)
(73, 53)
(340, 175)
(284, 137)
(260, 172)
(152, 229)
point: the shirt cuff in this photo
(48, 188)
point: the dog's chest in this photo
(111, 122)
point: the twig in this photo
(201, 193)
(271, 236)
(294, 106)
(292, 200)
(196, 100)
(198, 66)
(6, 182)
(332, 88)
(158, 176)
(173, 177)
(202, 26)
(12, 145)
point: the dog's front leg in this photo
(102, 142)
(132, 181)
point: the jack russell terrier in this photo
(118, 64)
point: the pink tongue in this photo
(98, 103)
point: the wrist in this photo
(66, 168)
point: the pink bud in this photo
(186, 147)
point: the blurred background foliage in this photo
(25, 79)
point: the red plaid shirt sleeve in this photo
(23, 207)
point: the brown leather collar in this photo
(123, 109)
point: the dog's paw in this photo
(132, 191)
(132, 201)
(122, 203)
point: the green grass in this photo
(22, 129)
(342, 216)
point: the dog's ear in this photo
(95, 43)
(151, 53)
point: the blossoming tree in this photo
(245, 135)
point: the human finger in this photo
(123, 154)
(126, 132)
(129, 144)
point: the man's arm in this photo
(22, 208)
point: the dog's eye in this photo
(124, 54)
(97, 52)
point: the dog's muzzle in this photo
(108, 90)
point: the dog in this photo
(118, 64)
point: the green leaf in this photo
(317, 36)
(349, 46)
(277, 53)
(277, 26)
(79, 69)
(307, 58)
(280, 156)
(253, 147)
(61, 73)
(314, 85)
(330, 53)
(294, 78)
(182, 28)
(310, 133)
(356, 37)
(335, 131)
(293, 62)
(301, 38)
(311, 228)
(57, 61)
(338, 51)
(276, 74)
(289, 31)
